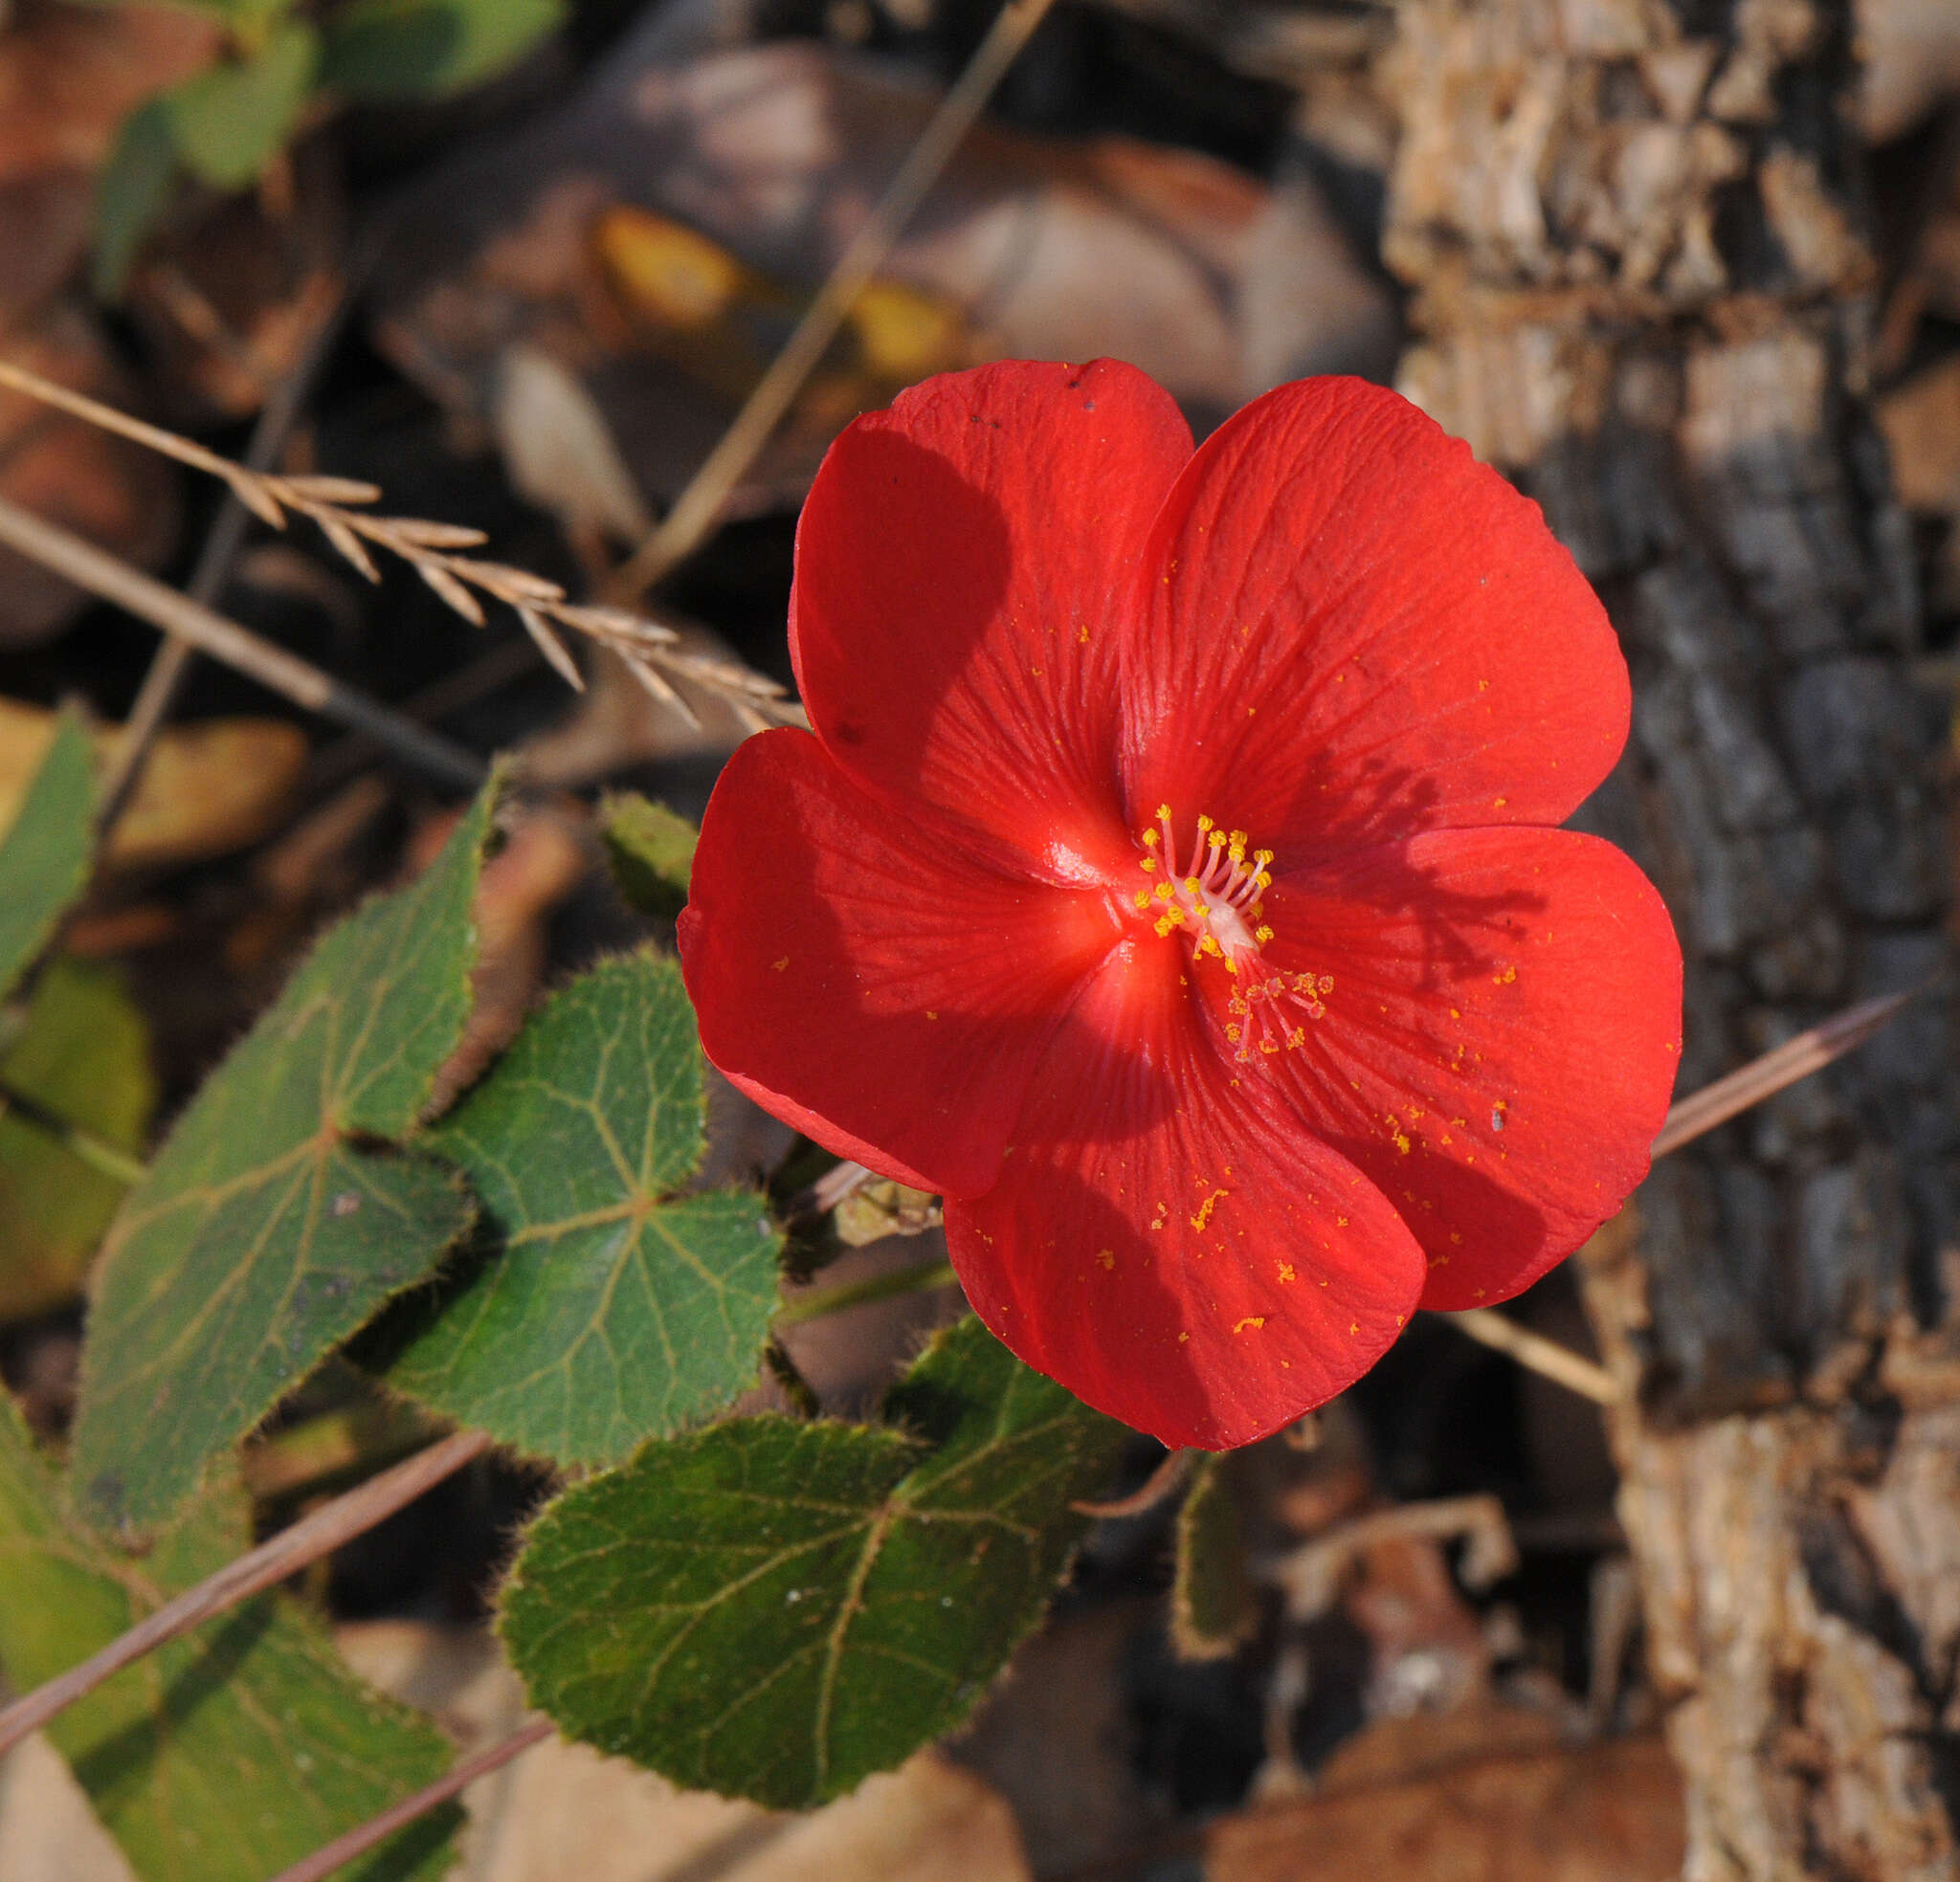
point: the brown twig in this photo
(211, 633)
(1765, 1077)
(698, 506)
(357, 1842)
(291, 1550)
(1162, 1482)
(1310, 1574)
(1537, 1354)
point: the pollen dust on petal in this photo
(1108, 1258)
(1252, 1320)
(1204, 1208)
(1285, 1271)
(781, 965)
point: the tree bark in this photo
(1636, 240)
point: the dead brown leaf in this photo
(1482, 1796)
(210, 787)
(702, 190)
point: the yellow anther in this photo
(1262, 882)
(1216, 839)
(1149, 865)
(1149, 839)
(1164, 892)
(1262, 857)
(1232, 1033)
(1165, 923)
(1204, 824)
(1143, 898)
(1164, 813)
(1190, 885)
(1262, 935)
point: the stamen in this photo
(1216, 901)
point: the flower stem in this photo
(925, 1278)
(119, 1166)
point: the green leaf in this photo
(613, 1311)
(227, 120)
(82, 1056)
(1213, 1602)
(226, 1755)
(131, 193)
(650, 849)
(267, 1230)
(44, 857)
(775, 1609)
(382, 50)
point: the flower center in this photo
(1215, 899)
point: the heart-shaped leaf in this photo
(270, 1227)
(609, 1309)
(775, 1609)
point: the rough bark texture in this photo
(1634, 234)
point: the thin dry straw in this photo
(285, 1553)
(698, 506)
(362, 1837)
(212, 632)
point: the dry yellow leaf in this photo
(209, 788)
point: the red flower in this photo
(1171, 880)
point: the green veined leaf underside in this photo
(272, 1225)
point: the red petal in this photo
(1360, 631)
(864, 976)
(1499, 1043)
(966, 568)
(1166, 1240)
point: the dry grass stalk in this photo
(336, 506)
(699, 507)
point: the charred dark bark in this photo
(1633, 234)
